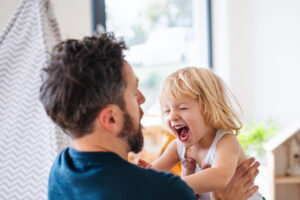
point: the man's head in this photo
(84, 77)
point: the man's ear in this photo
(110, 118)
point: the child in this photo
(196, 108)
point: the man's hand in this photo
(239, 188)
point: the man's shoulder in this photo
(61, 157)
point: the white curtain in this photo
(29, 141)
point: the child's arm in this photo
(218, 176)
(166, 161)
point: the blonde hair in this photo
(211, 93)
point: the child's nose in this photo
(174, 116)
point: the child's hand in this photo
(189, 167)
(144, 164)
(206, 166)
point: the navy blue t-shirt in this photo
(79, 175)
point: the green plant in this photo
(253, 136)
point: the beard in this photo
(131, 135)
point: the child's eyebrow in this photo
(182, 102)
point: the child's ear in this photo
(110, 118)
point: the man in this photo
(92, 93)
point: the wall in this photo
(74, 18)
(261, 63)
(7, 8)
(276, 51)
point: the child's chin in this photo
(186, 143)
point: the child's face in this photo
(184, 119)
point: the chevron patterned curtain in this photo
(29, 141)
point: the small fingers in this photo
(143, 163)
(191, 164)
(206, 166)
(189, 167)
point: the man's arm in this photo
(240, 186)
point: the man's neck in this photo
(90, 143)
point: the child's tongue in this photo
(184, 134)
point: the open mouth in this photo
(183, 132)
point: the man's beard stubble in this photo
(133, 137)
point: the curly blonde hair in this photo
(209, 90)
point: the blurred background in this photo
(253, 45)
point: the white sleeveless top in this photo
(208, 160)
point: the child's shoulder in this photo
(230, 143)
(221, 134)
(226, 138)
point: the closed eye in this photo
(166, 111)
(183, 108)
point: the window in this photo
(162, 35)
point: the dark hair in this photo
(81, 78)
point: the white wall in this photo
(262, 55)
(73, 16)
(6, 10)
